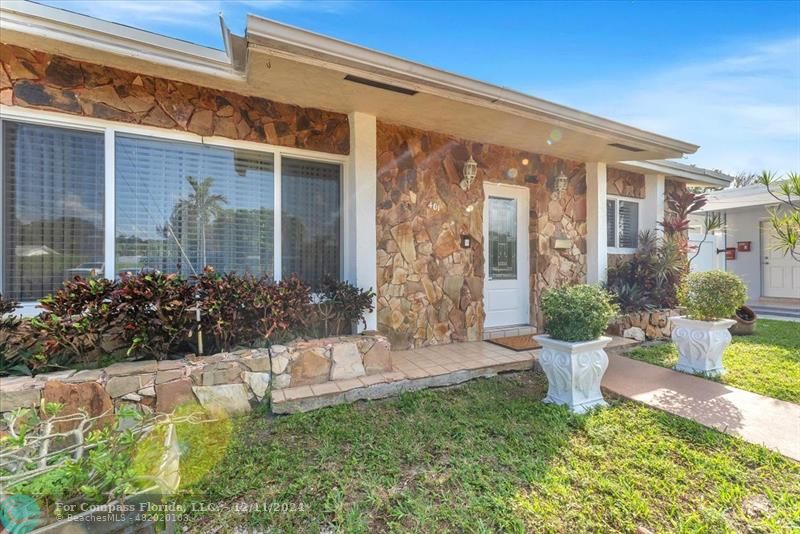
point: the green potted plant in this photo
(710, 299)
(572, 354)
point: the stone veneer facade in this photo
(43, 81)
(624, 183)
(430, 289)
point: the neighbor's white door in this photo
(780, 272)
(505, 243)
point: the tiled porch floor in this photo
(435, 366)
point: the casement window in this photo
(96, 200)
(622, 224)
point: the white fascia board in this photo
(680, 170)
(61, 25)
(309, 47)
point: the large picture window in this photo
(96, 200)
(181, 206)
(53, 202)
(622, 223)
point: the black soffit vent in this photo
(380, 85)
(626, 147)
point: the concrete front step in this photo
(379, 386)
(508, 331)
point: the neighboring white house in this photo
(772, 277)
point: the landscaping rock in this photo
(88, 396)
(118, 386)
(166, 376)
(221, 373)
(258, 382)
(258, 364)
(634, 332)
(378, 359)
(132, 368)
(87, 375)
(311, 367)
(58, 375)
(13, 398)
(170, 395)
(346, 362)
(279, 363)
(233, 399)
(281, 381)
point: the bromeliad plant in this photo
(650, 278)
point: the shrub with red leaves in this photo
(152, 309)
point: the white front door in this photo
(505, 244)
(781, 272)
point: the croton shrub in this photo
(153, 315)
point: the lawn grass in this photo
(767, 362)
(490, 456)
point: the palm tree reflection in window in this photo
(201, 207)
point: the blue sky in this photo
(725, 75)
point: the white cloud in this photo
(742, 107)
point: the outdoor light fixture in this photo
(561, 183)
(470, 172)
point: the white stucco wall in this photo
(743, 224)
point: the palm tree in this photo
(204, 205)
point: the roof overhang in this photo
(755, 195)
(292, 65)
(47, 28)
(679, 171)
(444, 101)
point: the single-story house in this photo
(746, 246)
(458, 201)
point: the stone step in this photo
(382, 385)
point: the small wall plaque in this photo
(730, 253)
(743, 246)
(466, 241)
(560, 243)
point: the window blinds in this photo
(628, 224)
(622, 223)
(53, 180)
(611, 223)
(311, 219)
(181, 206)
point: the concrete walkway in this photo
(755, 418)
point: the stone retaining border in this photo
(227, 381)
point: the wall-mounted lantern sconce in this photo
(470, 172)
(561, 183)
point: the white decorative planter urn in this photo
(701, 344)
(574, 371)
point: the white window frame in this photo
(110, 130)
(612, 247)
